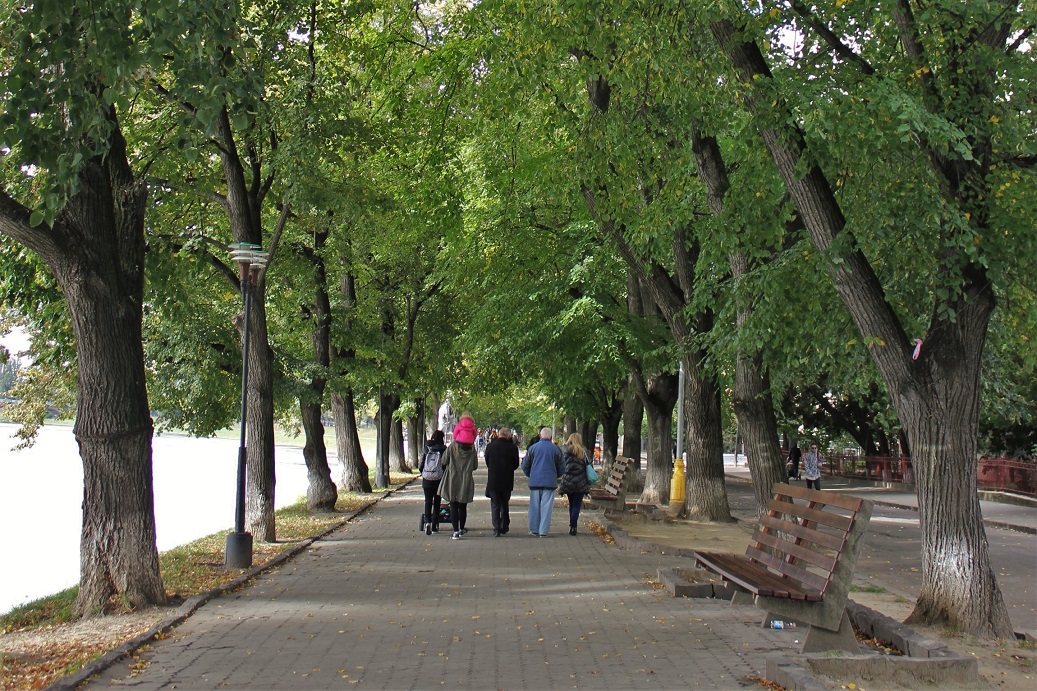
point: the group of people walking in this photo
(447, 473)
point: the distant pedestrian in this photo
(458, 485)
(543, 465)
(812, 467)
(795, 454)
(574, 483)
(431, 468)
(502, 459)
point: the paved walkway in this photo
(379, 605)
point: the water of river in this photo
(41, 496)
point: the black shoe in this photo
(428, 528)
(572, 530)
(496, 533)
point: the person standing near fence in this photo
(812, 467)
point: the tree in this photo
(71, 196)
(937, 98)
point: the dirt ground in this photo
(1002, 664)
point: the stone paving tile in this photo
(379, 605)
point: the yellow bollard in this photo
(677, 487)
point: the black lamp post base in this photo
(239, 551)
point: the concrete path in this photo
(379, 605)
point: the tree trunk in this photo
(113, 426)
(589, 433)
(416, 433)
(259, 431)
(755, 412)
(633, 419)
(942, 419)
(662, 397)
(397, 462)
(610, 421)
(356, 476)
(95, 250)
(321, 493)
(706, 495)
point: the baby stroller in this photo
(443, 517)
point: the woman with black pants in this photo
(431, 468)
(574, 483)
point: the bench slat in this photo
(806, 513)
(757, 580)
(821, 560)
(790, 570)
(829, 498)
(817, 537)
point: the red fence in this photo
(992, 473)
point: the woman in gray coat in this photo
(458, 486)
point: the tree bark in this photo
(706, 491)
(416, 433)
(243, 204)
(96, 252)
(397, 462)
(356, 476)
(755, 412)
(659, 401)
(633, 420)
(321, 494)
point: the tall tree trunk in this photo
(941, 414)
(633, 421)
(416, 433)
(755, 412)
(611, 417)
(659, 405)
(95, 250)
(397, 462)
(113, 426)
(356, 476)
(706, 495)
(259, 427)
(752, 396)
(568, 427)
(589, 433)
(243, 205)
(321, 493)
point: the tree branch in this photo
(829, 37)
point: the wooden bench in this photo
(800, 564)
(610, 495)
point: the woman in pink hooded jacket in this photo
(458, 486)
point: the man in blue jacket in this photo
(543, 465)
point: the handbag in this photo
(592, 475)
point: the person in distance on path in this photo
(502, 459)
(459, 463)
(574, 483)
(812, 467)
(430, 485)
(543, 465)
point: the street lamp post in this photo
(251, 259)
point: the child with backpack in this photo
(431, 468)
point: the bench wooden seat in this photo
(610, 495)
(800, 563)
